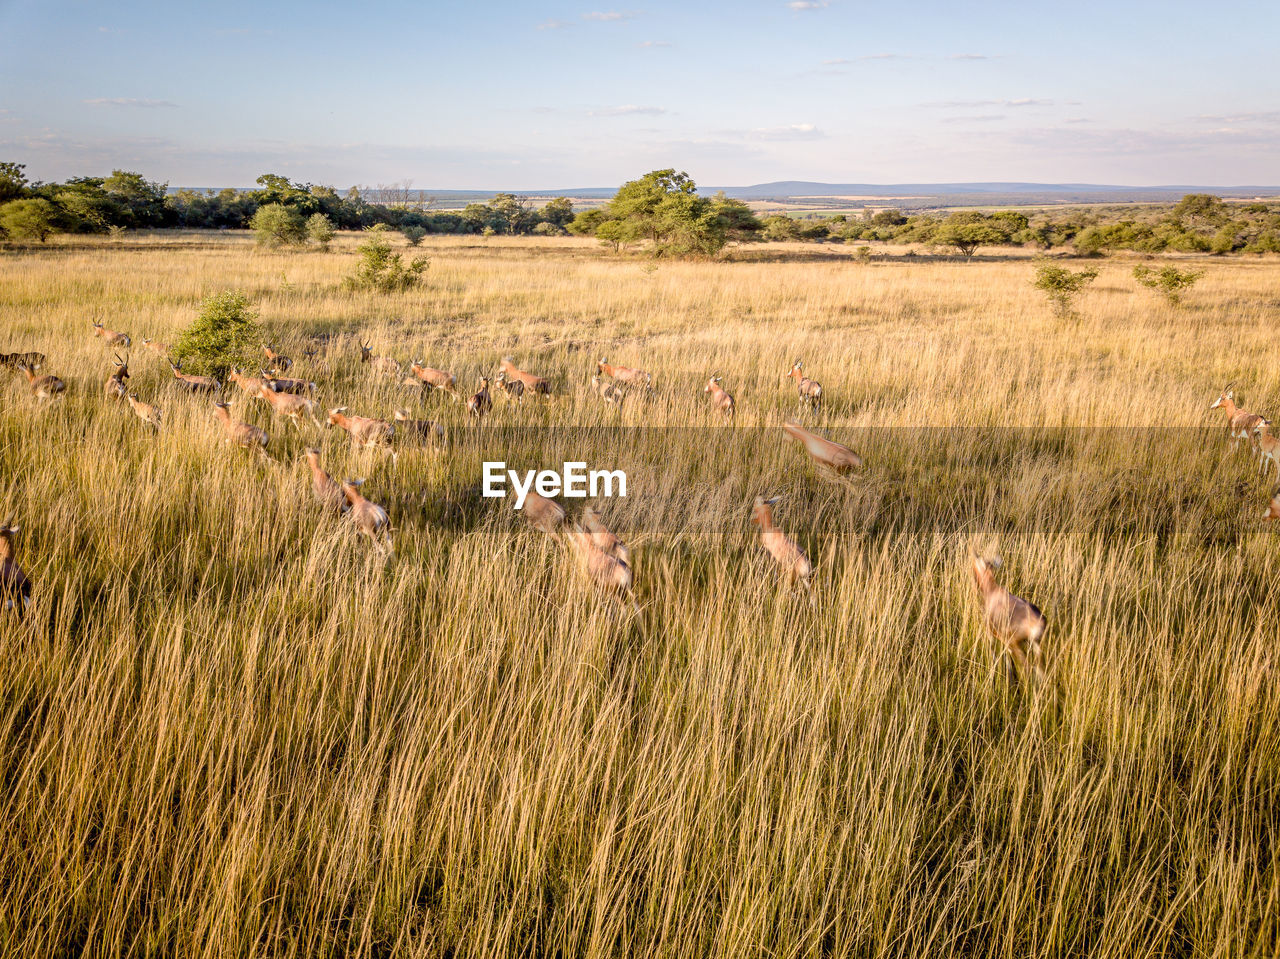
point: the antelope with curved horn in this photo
(193, 383)
(1011, 620)
(435, 379)
(159, 349)
(512, 389)
(824, 452)
(42, 387)
(291, 407)
(146, 412)
(249, 385)
(810, 390)
(328, 492)
(532, 382)
(608, 391)
(114, 387)
(15, 588)
(111, 337)
(789, 557)
(276, 362)
(368, 517)
(383, 365)
(285, 384)
(237, 433)
(720, 398)
(1240, 422)
(481, 402)
(624, 374)
(365, 431)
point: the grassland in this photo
(228, 728)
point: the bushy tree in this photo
(13, 181)
(320, 230)
(382, 270)
(225, 334)
(33, 218)
(413, 234)
(141, 202)
(557, 212)
(587, 222)
(969, 229)
(1169, 281)
(276, 225)
(663, 207)
(1062, 286)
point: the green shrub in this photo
(277, 225)
(1062, 286)
(320, 230)
(29, 219)
(413, 234)
(225, 334)
(382, 270)
(1169, 281)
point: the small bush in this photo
(382, 270)
(1062, 286)
(1169, 281)
(33, 219)
(320, 230)
(277, 225)
(225, 334)
(413, 234)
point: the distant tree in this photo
(382, 270)
(33, 218)
(779, 227)
(277, 190)
(1169, 281)
(664, 208)
(320, 230)
(13, 181)
(1062, 286)
(141, 200)
(277, 225)
(888, 218)
(737, 219)
(558, 212)
(413, 234)
(1202, 206)
(547, 229)
(587, 222)
(225, 334)
(969, 229)
(614, 233)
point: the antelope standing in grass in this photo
(249, 385)
(425, 431)
(383, 365)
(512, 389)
(1273, 508)
(1240, 422)
(369, 518)
(1015, 623)
(810, 390)
(15, 588)
(114, 387)
(285, 384)
(111, 337)
(824, 452)
(607, 391)
(604, 569)
(542, 513)
(238, 433)
(193, 383)
(624, 374)
(146, 412)
(602, 537)
(365, 431)
(159, 349)
(790, 557)
(435, 379)
(276, 362)
(720, 398)
(328, 492)
(291, 407)
(42, 387)
(532, 383)
(480, 402)
(1268, 449)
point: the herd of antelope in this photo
(1017, 625)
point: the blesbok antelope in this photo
(542, 513)
(1273, 508)
(810, 390)
(146, 412)
(480, 402)
(790, 557)
(1240, 422)
(435, 379)
(111, 337)
(532, 382)
(249, 385)
(15, 588)
(425, 431)
(288, 405)
(383, 365)
(607, 391)
(276, 362)
(1268, 449)
(159, 349)
(824, 452)
(365, 431)
(114, 387)
(512, 389)
(604, 569)
(328, 492)
(368, 517)
(602, 537)
(193, 383)
(42, 387)
(285, 384)
(239, 433)
(720, 398)
(624, 374)
(12, 361)
(1012, 621)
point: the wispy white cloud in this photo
(610, 16)
(653, 44)
(1263, 116)
(554, 24)
(1077, 120)
(972, 56)
(806, 4)
(887, 56)
(981, 118)
(969, 104)
(627, 110)
(129, 102)
(792, 131)
(838, 62)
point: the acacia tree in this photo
(35, 218)
(663, 207)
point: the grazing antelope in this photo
(369, 518)
(512, 389)
(43, 387)
(1273, 509)
(276, 362)
(365, 431)
(114, 387)
(384, 365)
(626, 374)
(720, 398)
(532, 383)
(602, 537)
(1015, 623)
(824, 451)
(146, 412)
(326, 489)
(424, 431)
(111, 337)
(480, 402)
(291, 407)
(284, 384)
(542, 513)
(193, 383)
(1268, 449)
(159, 349)
(241, 434)
(795, 564)
(607, 391)
(1240, 423)
(249, 385)
(13, 360)
(435, 379)
(604, 569)
(15, 588)
(810, 390)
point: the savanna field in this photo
(229, 727)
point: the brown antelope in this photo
(193, 383)
(625, 374)
(480, 402)
(383, 365)
(369, 518)
(276, 362)
(542, 513)
(327, 491)
(1273, 508)
(435, 379)
(602, 537)
(241, 434)
(284, 384)
(1268, 449)
(532, 383)
(512, 389)
(291, 407)
(605, 570)
(111, 337)
(114, 387)
(15, 588)
(790, 557)
(1240, 423)
(146, 412)
(365, 431)
(720, 398)
(810, 390)
(249, 385)
(607, 391)
(12, 361)
(1012, 621)
(159, 349)
(42, 387)
(424, 431)
(824, 452)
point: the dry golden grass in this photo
(230, 729)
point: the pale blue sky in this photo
(560, 94)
